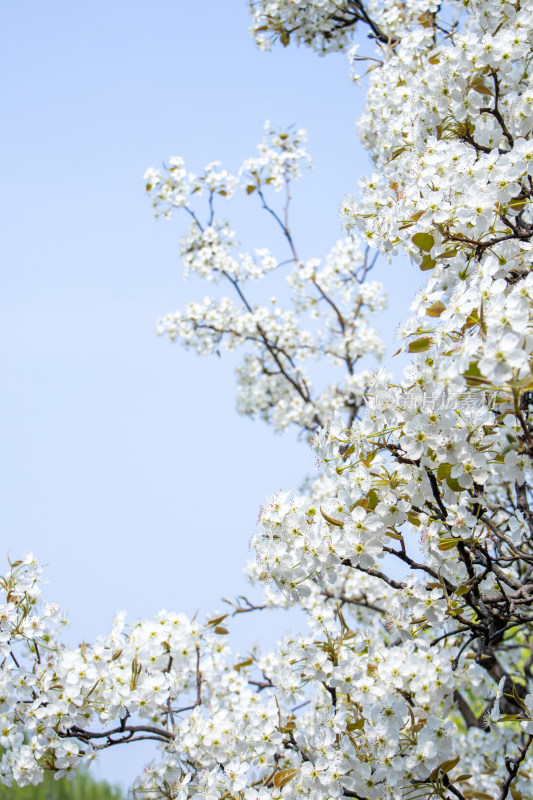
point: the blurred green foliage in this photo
(83, 787)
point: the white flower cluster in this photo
(450, 136)
(366, 720)
(331, 301)
(324, 25)
(442, 488)
(413, 552)
(172, 189)
(281, 157)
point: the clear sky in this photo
(124, 465)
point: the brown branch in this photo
(303, 389)
(523, 505)
(451, 788)
(496, 111)
(513, 765)
(436, 493)
(353, 601)
(374, 572)
(81, 733)
(198, 678)
(360, 14)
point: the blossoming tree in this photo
(412, 554)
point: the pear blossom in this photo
(411, 553)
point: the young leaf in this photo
(424, 241)
(420, 345)
(427, 263)
(436, 309)
(331, 520)
(448, 544)
(283, 777)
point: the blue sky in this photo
(124, 465)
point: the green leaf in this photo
(424, 241)
(250, 188)
(348, 452)
(427, 263)
(285, 41)
(518, 700)
(242, 664)
(331, 520)
(525, 385)
(436, 309)
(372, 500)
(518, 204)
(443, 471)
(217, 620)
(394, 535)
(356, 726)
(283, 777)
(454, 484)
(472, 319)
(446, 766)
(481, 88)
(448, 544)
(363, 503)
(448, 254)
(222, 631)
(473, 375)
(397, 152)
(290, 726)
(420, 345)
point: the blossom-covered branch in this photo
(412, 554)
(273, 379)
